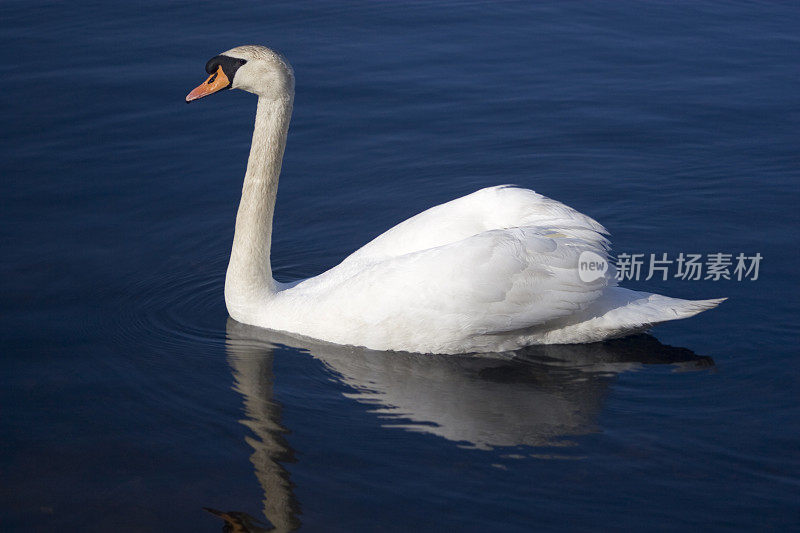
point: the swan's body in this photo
(492, 271)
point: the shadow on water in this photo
(534, 397)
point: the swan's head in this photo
(252, 68)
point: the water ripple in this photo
(177, 310)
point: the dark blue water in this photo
(129, 402)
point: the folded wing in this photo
(496, 281)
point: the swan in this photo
(492, 271)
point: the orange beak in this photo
(215, 82)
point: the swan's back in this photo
(499, 207)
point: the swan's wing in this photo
(488, 209)
(496, 281)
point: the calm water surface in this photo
(130, 402)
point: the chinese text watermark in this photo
(685, 266)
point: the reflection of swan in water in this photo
(250, 356)
(533, 397)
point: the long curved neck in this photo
(249, 276)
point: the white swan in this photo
(492, 271)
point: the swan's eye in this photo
(212, 78)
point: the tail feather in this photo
(658, 308)
(622, 312)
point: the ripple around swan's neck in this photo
(175, 310)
